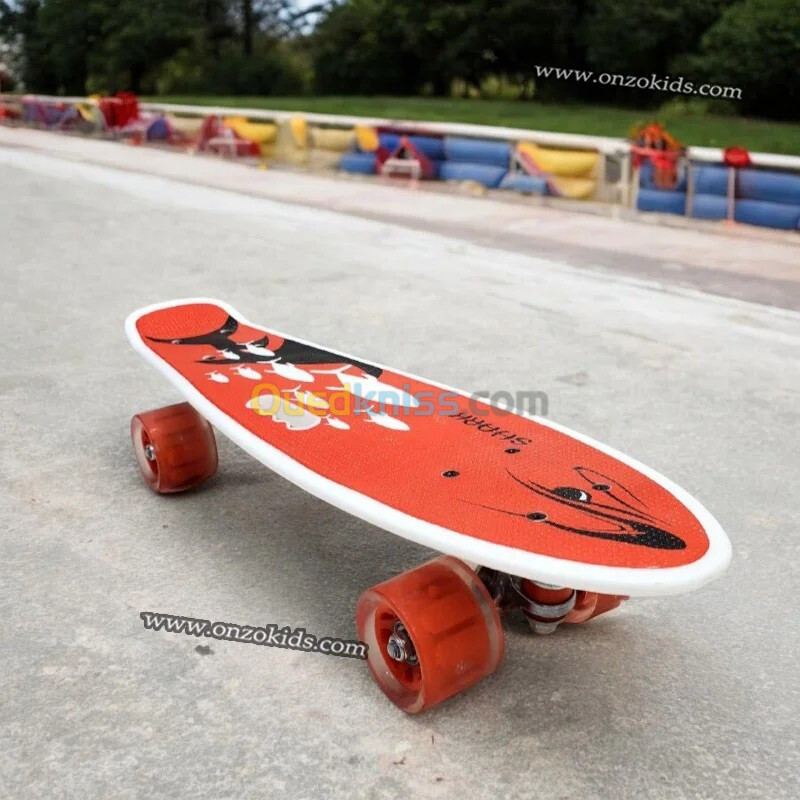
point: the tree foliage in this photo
(755, 45)
(75, 46)
(409, 47)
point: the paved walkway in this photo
(745, 262)
(672, 698)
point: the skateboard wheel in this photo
(431, 632)
(175, 448)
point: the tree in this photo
(527, 33)
(364, 47)
(402, 46)
(59, 35)
(755, 46)
(629, 37)
(136, 37)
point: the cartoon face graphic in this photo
(591, 504)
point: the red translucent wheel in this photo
(175, 448)
(431, 632)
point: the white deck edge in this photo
(592, 577)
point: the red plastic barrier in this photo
(120, 110)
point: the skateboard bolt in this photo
(149, 452)
(542, 628)
(399, 646)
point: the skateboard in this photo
(531, 517)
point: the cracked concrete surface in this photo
(692, 696)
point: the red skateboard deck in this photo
(505, 490)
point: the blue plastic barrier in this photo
(478, 151)
(430, 146)
(646, 180)
(769, 215)
(486, 174)
(360, 163)
(772, 187)
(710, 180)
(388, 141)
(709, 206)
(751, 184)
(37, 112)
(528, 184)
(661, 200)
(437, 169)
(158, 130)
(752, 212)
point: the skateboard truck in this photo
(545, 606)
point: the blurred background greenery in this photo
(470, 60)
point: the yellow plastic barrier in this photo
(190, 126)
(323, 160)
(574, 188)
(298, 128)
(91, 113)
(333, 139)
(291, 143)
(569, 173)
(259, 132)
(559, 163)
(367, 138)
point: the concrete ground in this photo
(692, 696)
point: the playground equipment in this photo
(560, 173)
(652, 143)
(651, 172)
(218, 136)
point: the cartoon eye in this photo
(536, 516)
(512, 450)
(451, 473)
(571, 493)
(601, 487)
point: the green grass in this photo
(690, 127)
